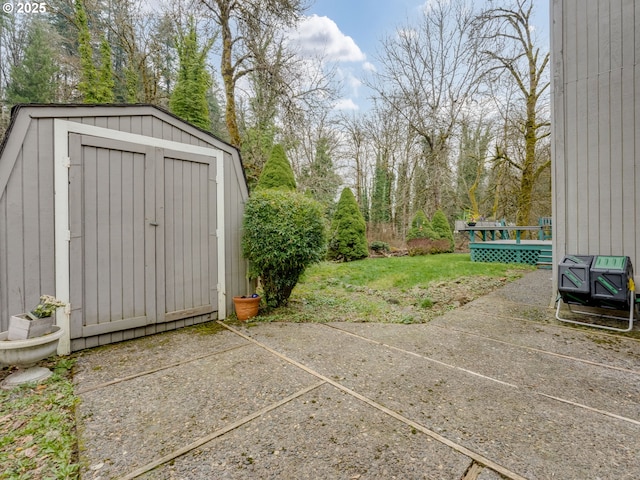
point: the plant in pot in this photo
(473, 220)
(35, 323)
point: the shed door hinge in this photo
(68, 236)
(66, 162)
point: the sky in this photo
(349, 33)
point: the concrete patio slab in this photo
(483, 392)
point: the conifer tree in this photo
(277, 172)
(442, 228)
(421, 227)
(320, 179)
(88, 74)
(381, 196)
(105, 83)
(33, 80)
(348, 230)
(283, 231)
(189, 97)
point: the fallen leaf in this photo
(30, 452)
(18, 424)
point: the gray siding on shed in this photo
(27, 246)
(596, 128)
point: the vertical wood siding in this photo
(235, 200)
(26, 211)
(596, 125)
(110, 275)
(189, 248)
(116, 204)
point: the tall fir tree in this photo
(189, 97)
(348, 240)
(320, 179)
(105, 83)
(381, 196)
(33, 80)
(277, 172)
(88, 85)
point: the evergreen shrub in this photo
(379, 246)
(421, 227)
(348, 240)
(277, 172)
(284, 232)
(442, 228)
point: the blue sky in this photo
(349, 31)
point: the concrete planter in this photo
(22, 327)
(25, 354)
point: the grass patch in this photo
(37, 427)
(407, 272)
(392, 290)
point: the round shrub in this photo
(348, 230)
(283, 233)
(442, 228)
(379, 246)
(421, 228)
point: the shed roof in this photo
(110, 110)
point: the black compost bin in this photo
(610, 279)
(574, 283)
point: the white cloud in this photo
(345, 104)
(352, 81)
(320, 36)
(369, 67)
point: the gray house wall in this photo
(596, 128)
(27, 218)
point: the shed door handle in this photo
(155, 224)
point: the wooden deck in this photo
(530, 252)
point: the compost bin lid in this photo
(610, 263)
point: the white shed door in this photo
(143, 243)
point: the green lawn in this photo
(37, 427)
(394, 289)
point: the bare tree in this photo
(429, 77)
(14, 30)
(514, 53)
(239, 22)
(356, 153)
(284, 95)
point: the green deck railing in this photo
(530, 253)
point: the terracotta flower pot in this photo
(246, 307)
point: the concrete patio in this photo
(494, 389)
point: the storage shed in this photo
(126, 212)
(595, 53)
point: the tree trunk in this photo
(227, 71)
